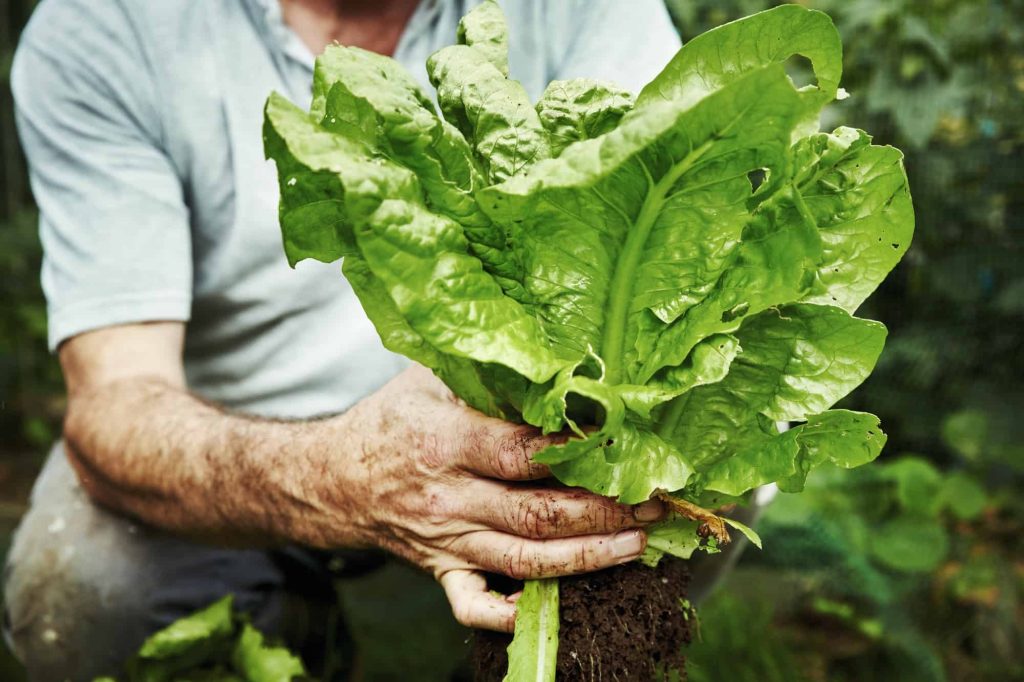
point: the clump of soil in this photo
(623, 624)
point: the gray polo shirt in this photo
(141, 120)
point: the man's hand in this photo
(409, 469)
(453, 491)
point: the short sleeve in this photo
(627, 43)
(113, 219)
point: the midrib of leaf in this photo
(624, 278)
(533, 653)
(542, 628)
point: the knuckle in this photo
(609, 516)
(586, 558)
(475, 440)
(437, 506)
(530, 516)
(463, 614)
(513, 453)
(507, 463)
(433, 452)
(515, 563)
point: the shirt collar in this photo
(269, 13)
(271, 21)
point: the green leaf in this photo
(910, 544)
(717, 58)
(533, 653)
(621, 234)
(846, 439)
(747, 531)
(199, 640)
(708, 363)
(797, 360)
(773, 264)
(917, 484)
(258, 662)
(675, 536)
(581, 109)
(630, 464)
(547, 405)
(963, 496)
(207, 646)
(314, 222)
(461, 375)
(967, 432)
(477, 96)
(484, 29)
(804, 358)
(445, 294)
(414, 251)
(917, 105)
(858, 196)
(213, 622)
(410, 133)
(350, 116)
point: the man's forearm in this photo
(149, 449)
(407, 469)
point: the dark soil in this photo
(623, 624)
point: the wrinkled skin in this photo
(456, 493)
(409, 469)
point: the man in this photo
(197, 363)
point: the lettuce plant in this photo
(215, 644)
(668, 276)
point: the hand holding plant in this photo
(456, 492)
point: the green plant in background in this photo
(211, 645)
(895, 572)
(944, 81)
(31, 395)
(30, 384)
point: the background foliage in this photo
(30, 387)
(908, 570)
(911, 569)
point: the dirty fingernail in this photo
(651, 510)
(627, 544)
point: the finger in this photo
(474, 605)
(523, 559)
(542, 513)
(497, 449)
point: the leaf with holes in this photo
(666, 277)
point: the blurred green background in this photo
(910, 569)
